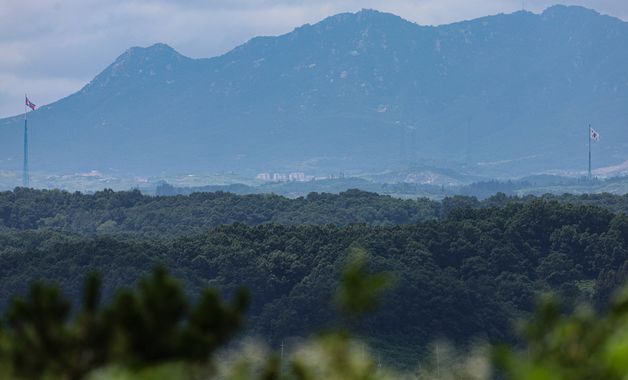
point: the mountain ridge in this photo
(355, 91)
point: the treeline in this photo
(132, 213)
(466, 275)
(108, 212)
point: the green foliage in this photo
(583, 345)
(330, 356)
(148, 333)
(131, 213)
(360, 291)
(463, 268)
(154, 332)
(149, 325)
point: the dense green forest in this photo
(108, 212)
(132, 213)
(464, 269)
(154, 331)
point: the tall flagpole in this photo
(25, 173)
(589, 177)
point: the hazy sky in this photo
(52, 48)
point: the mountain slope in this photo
(363, 91)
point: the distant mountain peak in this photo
(158, 50)
(362, 16)
(370, 12)
(145, 61)
(568, 10)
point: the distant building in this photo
(296, 177)
(279, 177)
(263, 176)
(284, 177)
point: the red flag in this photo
(30, 104)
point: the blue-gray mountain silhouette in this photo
(363, 91)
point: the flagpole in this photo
(589, 177)
(25, 174)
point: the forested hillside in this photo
(463, 268)
(108, 212)
(132, 213)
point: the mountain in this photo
(365, 91)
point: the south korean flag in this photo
(594, 135)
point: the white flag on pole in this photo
(594, 135)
